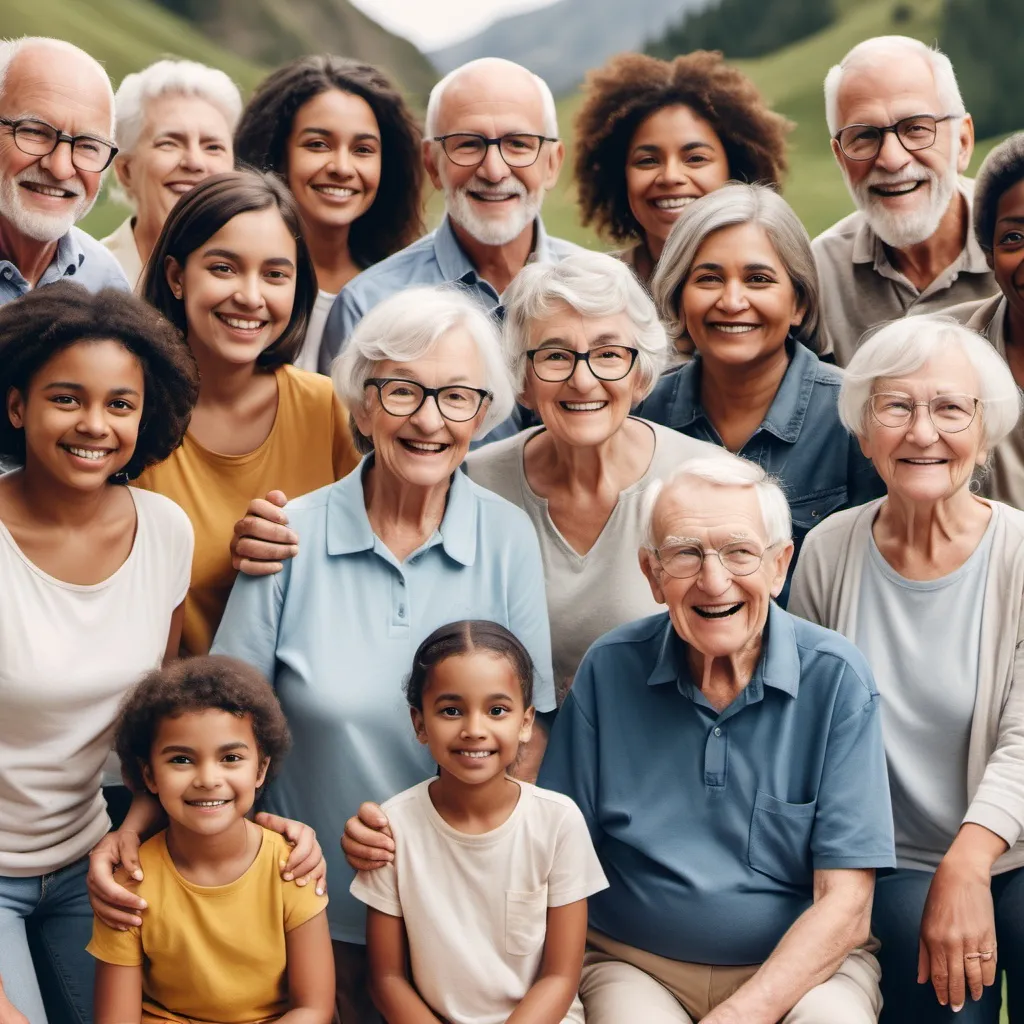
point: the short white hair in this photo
(549, 127)
(724, 470)
(876, 52)
(595, 285)
(405, 327)
(904, 346)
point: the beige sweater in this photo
(826, 590)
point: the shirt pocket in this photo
(780, 839)
(526, 919)
(808, 512)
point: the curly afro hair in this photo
(45, 321)
(212, 682)
(261, 139)
(632, 86)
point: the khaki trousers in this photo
(352, 988)
(624, 985)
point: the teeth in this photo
(897, 190)
(476, 753)
(735, 328)
(583, 406)
(494, 197)
(925, 462)
(331, 190)
(425, 446)
(716, 611)
(673, 202)
(88, 453)
(207, 803)
(243, 325)
(47, 190)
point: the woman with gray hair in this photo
(929, 583)
(737, 286)
(400, 546)
(175, 120)
(585, 345)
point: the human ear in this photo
(430, 151)
(262, 776)
(526, 729)
(175, 273)
(16, 407)
(416, 714)
(555, 158)
(653, 574)
(147, 777)
(966, 132)
(123, 173)
(780, 568)
(363, 420)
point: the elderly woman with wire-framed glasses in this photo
(400, 546)
(929, 583)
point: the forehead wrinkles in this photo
(734, 512)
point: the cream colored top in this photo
(121, 244)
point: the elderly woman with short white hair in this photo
(929, 583)
(175, 120)
(400, 546)
(585, 345)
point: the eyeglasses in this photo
(864, 141)
(607, 362)
(949, 413)
(741, 558)
(400, 397)
(467, 149)
(37, 138)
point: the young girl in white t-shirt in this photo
(486, 898)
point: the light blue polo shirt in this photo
(78, 258)
(336, 630)
(709, 824)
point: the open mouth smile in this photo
(717, 611)
(335, 191)
(924, 462)
(900, 189)
(734, 328)
(53, 191)
(424, 447)
(90, 454)
(583, 406)
(239, 323)
(673, 202)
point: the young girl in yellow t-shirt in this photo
(225, 938)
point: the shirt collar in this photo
(349, 530)
(455, 264)
(69, 256)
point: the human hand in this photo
(367, 842)
(306, 862)
(262, 541)
(116, 906)
(9, 1013)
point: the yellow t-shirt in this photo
(211, 953)
(309, 446)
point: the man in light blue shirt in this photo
(56, 139)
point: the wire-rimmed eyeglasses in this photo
(949, 413)
(741, 558)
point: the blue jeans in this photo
(45, 925)
(896, 922)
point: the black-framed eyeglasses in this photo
(455, 402)
(37, 138)
(741, 558)
(949, 413)
(606, 362)
(864, 141)
(517, 149)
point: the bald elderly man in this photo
(902, 139)
(56, 139)
(492, 147)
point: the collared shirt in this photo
(79, 258)
(861, 289)
(709, 824)
(121, 244)
(801, 440)
(336, 630)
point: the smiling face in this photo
(205, 768)
(917, 462)
(903, 195)
(1008, 249)
(238, 287)
(333, 158)
(81, 414)
(716, 613)
(43, 196)
(738, 303)
(184, 139)
(473, 717)
(674, 158)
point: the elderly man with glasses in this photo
(56, 140)
(902, 138)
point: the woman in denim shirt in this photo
(737, 284)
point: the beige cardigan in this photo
(826, 590)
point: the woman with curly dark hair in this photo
(653, 135)
(342, 137)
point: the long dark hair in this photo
(395, 218)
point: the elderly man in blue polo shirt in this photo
(56, 139)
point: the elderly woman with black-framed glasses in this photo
(929, 583)
(400, 546)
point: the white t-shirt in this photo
(475, 906)
(309, 354)
(68, 654)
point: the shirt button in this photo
(718, 732)
(401, 581)
(401, 611)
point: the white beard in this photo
(486, 230)
(42, 227)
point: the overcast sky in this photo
(431, 24)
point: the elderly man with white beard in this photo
(902, 138)
(56, 139)
(491, 145)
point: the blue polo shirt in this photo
(709, 825)
(79, 258)
(336, 630)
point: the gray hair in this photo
(405, 327)
(999, 172)
(874, 52)
(595, 285)
(727, 207)
(549, 127)
(724, 470)
(904, 346)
